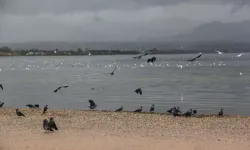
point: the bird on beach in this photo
(19, 113)
(119, 109)
(193, 59)
(52, 124)
(220, 112)
(45, 108)
(152, 108)
(1, 86)
(188, 113)
(46, 125)
(219, 52)
(138, 91)
(194, 111)
(30, 106)
(1, 104)
(92, 104)
(61, 87)
(170, 110)
(139, 109)
(36, 105)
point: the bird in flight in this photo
(61, 87)
(139, 57)
(239, 55)
(138, 91)
(1, 86)
(193, 59)
(113, 72)
(219, 52)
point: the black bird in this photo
(1, 86)
(194, 111)
(139, 57)
(61, 87)
(220, 112)
(1, 104)
(152, 60)
(152, 108)
(176, 111)
(30, 106)
(45, 108)
(113, 72)
(46, 125)
(195, 57)
(36, 105)
(92, 104)
(119, 109)
(19, 113)
(139, 109)
(138, 91)
(52, 124)
(170, 110)
(188, 113)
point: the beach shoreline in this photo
(81, 129)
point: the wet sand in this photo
(95, 130)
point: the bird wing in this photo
(192, 59)
(199, 55)
(217, 51)
(145, 54)
(1, 86)
(114, 69)
(58, 89)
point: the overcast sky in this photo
(111, 20)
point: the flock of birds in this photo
(50, 125)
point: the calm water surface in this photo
(211, 83)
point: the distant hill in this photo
(217, 31)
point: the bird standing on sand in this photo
(188, 113)
(61, 87)
(30, 106)
(138, 91)
(1, 86)
(1, 104)
(46, 125)
(152, 60)
(220, 112)
(139, 110)
(19, 113)
(36, 105)
(92, 104)
(45, 108)
(52, 124)
(119, 109)
(152, 108)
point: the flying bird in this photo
(139, 109)
(195, 57)
(219, 52)
(119, 109)
(61, 87)
(152, 60)
(92, 104)
(1, 86)
(220, 112)
(52, 124)
(139, 57)
(113, 72)
(1, 104)
(138, 91)
(152, 108)
(45, 108)
(239, 55)
(19, 113)
(30, 106)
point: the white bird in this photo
(219, 52)
(180, 66)
(239, 55)
(241, 73)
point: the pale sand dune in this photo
(85, 130)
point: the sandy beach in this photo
(95, 130)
